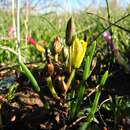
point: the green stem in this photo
(13, 17)
(76, 104)
(71, 78)
(26, 24)
(51, 87)
(30, 76)
(34, 83)
(18, 29)
(92, 112)
(70, 59)
(46, 104)
(108, 11)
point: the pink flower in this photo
(30, 40)
(107, 37)
(11, 31)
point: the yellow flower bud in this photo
(78, 52)
(40, 48)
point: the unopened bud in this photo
(63, 84)
(30, 40)
(65, 52)
(70, 31)
(94, 62)
(57, 47)
(107, 37)
(50, 69)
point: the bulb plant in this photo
(77, 49)
(62, 65)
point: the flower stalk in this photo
(51, 87)
(50, 71)
(18, 29)
(13, 18)
(78, 50)
(70, 34)
(70, 78)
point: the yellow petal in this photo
(78, 52)
(40, 48)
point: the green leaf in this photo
(30, 76)
(91, 51)
(95, 104)
(11, 91)
(34, 83)
(86, 68)
(76, 104)
(104, 78)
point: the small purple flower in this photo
(107, 37)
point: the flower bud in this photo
(40, 48)
(30, 40)
(107, 37)
(50, 69)
(78, 52)
(65, 52)
(11, 32)
(57, 47)
(70, 31)
(94, 62)
(62, 84)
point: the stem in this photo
(26, 23)
(18, 29)
(71, 78)
(77, 103)
(45, 102)
(108, 11)
(30, 76)
(34, 83)
(13, 18)
(9, 49)
(92, 112)
(70, 59)
(51, 87)
(106, 20)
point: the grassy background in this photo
(45, 26)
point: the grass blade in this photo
(34, 83)
(30, 76)
(95, 103)
(91, 50)
(104, 78)
(86, 69)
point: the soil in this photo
(26, 110)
